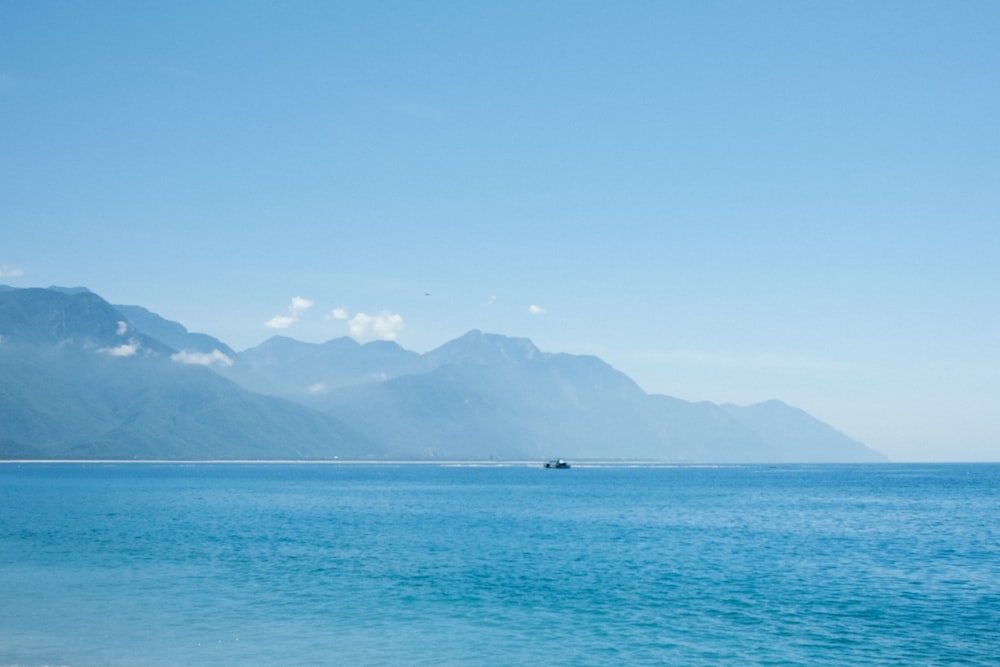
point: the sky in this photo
(727, 201)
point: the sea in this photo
(164, 564)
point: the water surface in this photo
(313, 564)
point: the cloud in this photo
(122, 328)
(536, 309)
(338, 314)
(360, 325)
(297, 306)
(381, 326)
(10, 272)
(127, 350)
(201, 358)
(281, 322)
(300, 305)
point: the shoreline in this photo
(518, 463)
(444, 463)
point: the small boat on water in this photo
(556, 464)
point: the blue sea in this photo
(110, 564)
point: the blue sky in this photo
(728, 201)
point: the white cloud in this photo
(297, 306)
(339, 314)
(316, 388)
(127, 350)
(122, 328)
(202, 358)
(360, 325)
(386, 325)
(536, 309)
(300, 305)
(10, 272)
(381, 326)
(280, 322)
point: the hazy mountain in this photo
(285, 367)
(485, 395)
(151, 325)
(79, 381)
(80, 378)
(173, 334)
(794, 435)
(79, 318)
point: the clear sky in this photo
(728, 201)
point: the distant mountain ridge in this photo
(80, 382)
(286, 367)
(84, 379)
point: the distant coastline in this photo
(596, 463)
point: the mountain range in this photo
(81, 378)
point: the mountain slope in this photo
(173, 334)
(795, 435)
(79, 382)
(79, 318)
(283, 366)
(80, 378)
(485, 395)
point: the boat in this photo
(556, 464)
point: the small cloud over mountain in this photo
(280, 322)
(10, 272)
(127, 350)
(189, 358)
(297, 306)
(384, 325)
(535, 309)
(300, 305)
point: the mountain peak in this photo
(476, 347)
(79, 318)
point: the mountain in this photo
(485, 395)
(57, 317)
(786, 428)
(286, 367)
(80, 382)
(80, 378)
(173, 334)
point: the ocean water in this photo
(347, 564)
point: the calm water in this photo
(144, 564)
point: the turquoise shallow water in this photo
(246, 564)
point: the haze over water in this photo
(306, 564)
